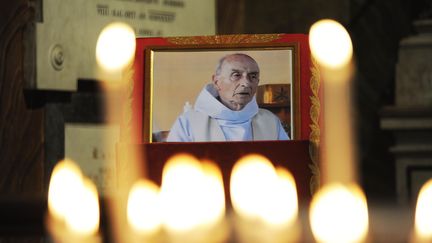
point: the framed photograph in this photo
(170, 73)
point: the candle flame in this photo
(423, 215)
(83, 218)
(143, 209)
(214, 197)
(285, 205)
(63, 190)
(250, 187)
(187, 188)
(73, 199)
(339, 213)
(259, 192)
(330, 43)
(115, 46)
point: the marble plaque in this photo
(92, 147)
(66, 37)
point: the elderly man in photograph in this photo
(226, 109)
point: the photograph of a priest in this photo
(226, 108)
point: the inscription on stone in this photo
(92, 147)
(162, 16)
(75, 25)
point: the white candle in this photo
(144, 214)
(63, 190)
(264, 200)
(73, 205)
(339, 213)
(115, 49)
(83, 217)
(423, 214)
(331, 46)
(193, 201)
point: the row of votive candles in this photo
(190, 206)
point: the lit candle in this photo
(193, 202)
(213, 194)
(62, 192)
(83, 217)
(264, 200)
(423, 214)
(331, 46)
(144, 212)
(115, 49)
(73, 205)
(339, 213)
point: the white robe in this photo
(235, 125)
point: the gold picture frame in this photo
(307, 90)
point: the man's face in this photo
(237, 81)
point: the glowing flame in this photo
(339, 214)
(258, 191)
(330, 43)
(250, 187)
(83, 218)
(187, 188)
(213, 194)
(73, 199)
(63, 190)
(143, 209)
(115, 46)
(284, 206)
(423, 215)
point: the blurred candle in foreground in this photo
(423, 214)
(193, 202)
(331, 47)
(214, 197)
(330, 44)
(63, 192)
(115, 47)
(83, 218)
(339, 213)
(264, 200)
(285, 208)
(115, 50)
(143, 210)
(73, 205)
